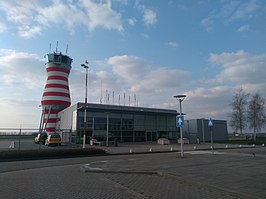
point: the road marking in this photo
(87, 167)
(12, 145)
(204, 152)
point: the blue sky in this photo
(152, 49)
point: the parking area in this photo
(27, 144)
(121, 148)
(227, 174)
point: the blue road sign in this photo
(179, 120)
(210, 124)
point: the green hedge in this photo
(38, 154)
(259, 141)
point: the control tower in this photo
(56, 95)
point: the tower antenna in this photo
(113, 97)
(50, 46)
(101, 99)
(106, 94)
(56, 46)
(66, 48)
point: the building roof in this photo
(122, 108)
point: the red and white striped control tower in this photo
(56, 95)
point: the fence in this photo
(23, 139)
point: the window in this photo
(127, 124)
(57, 58)
(64, 59)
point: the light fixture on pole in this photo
(85, 105)
(181, 98)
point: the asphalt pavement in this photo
(138, 171)
(128, 148)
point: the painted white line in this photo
(204, 152)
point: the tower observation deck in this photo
(56, 95)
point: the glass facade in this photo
(134, 125)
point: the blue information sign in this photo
(179, 120)
(210, 124)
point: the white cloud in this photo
(239, 10)
(160, 79)
(146, 36)
(245, 10)
(207, 23)
(132, 21)
(26, 66)
(22, 79)
(102, 15)
(230, 12)
(205, 103)
(149, 17)
(241, 68)
(16, 112)
(29, 32)
(238, 69)
(60, 13)
(130, 68)
(244, 28)
(229, 8)
(31, 17)
(19, 12)
(2, 27)
(154, 85)
(172, 44)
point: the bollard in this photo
(253, 145)
(195, 147)
(171, 149)
(226, 146)
(130, 151)
(150, 149)
(263, 144)
(240, 145)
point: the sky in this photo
(151, 49)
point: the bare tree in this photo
(256, 116)
(239, 114)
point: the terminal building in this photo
(123, 123)
(132, 124)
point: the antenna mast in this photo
(56, 46)
(66, 48)
(101, 99)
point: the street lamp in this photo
(85, 105)
(181, 98)
(107, 128)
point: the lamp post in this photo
(85, 105)
(107, 128)
(181, 98)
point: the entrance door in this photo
(148, 136)
(154, 136)
(151, 136)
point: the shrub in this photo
(38, 154)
